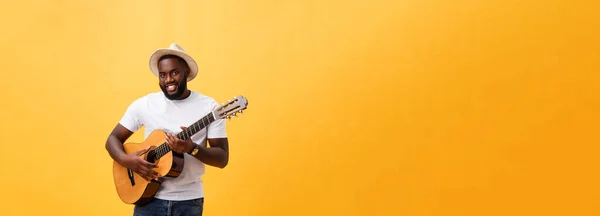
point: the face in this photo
(172, 76)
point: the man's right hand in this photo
(136, 163)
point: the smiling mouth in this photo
(171, 87)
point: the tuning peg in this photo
(241, 112)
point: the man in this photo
(171, 110)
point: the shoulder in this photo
(205, 99)
(153, 96)
(144, 99)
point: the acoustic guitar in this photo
(132, 188)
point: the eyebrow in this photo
(174, 69)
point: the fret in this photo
(163, 149)
(199, 124)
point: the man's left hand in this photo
(178, 145)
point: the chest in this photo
(169, 117)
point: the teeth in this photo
(171, 87)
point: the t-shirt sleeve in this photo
(217, 129)
(130, 119)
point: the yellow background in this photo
(417, 107)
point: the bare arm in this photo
(133, 161)
(114, 143)
(217, 154)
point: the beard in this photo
(181, 87)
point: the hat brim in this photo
(156, 55)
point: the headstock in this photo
(231, 108)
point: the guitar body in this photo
(131, 187)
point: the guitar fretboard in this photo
(163, 149)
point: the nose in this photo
(168, 78)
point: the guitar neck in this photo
(197, 126)
(164, 148)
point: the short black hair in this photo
(181, 60)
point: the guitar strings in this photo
(163, 149)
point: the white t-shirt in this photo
(156, 112)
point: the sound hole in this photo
(151, 157)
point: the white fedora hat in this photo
(174, 49)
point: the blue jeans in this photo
(158, 207)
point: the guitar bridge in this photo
(131, 178)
